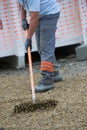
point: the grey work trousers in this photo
(45, 37)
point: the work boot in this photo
(57, 76)
(45, 84)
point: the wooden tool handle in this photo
(31, 72)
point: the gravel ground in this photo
(70, 95)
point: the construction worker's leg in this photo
(47, 47)
(57, 73)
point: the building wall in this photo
(71, 27)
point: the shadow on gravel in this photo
(38, 106)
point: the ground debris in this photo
(68, 113)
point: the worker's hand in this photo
(28, 44)
(25, 25)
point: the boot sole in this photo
(41, 89)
